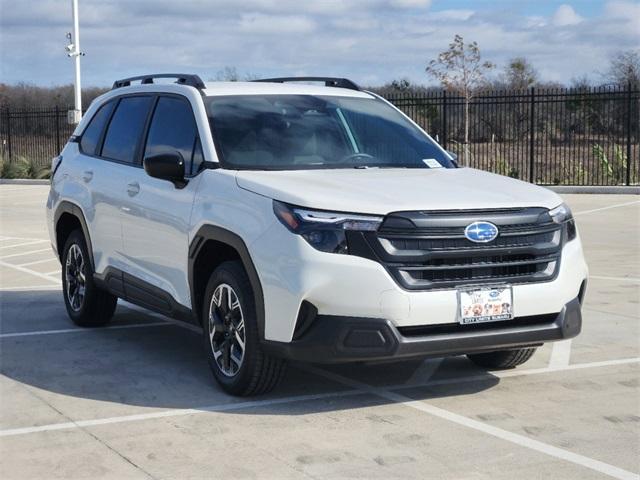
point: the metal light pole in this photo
(73, 51)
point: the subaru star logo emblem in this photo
(481, 232)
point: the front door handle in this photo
(87, 175)
(133, 189)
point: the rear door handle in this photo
(87, 175)
(133, 189)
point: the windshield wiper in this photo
(387, 165)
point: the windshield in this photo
(293, 132)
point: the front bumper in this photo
(346, 286)
(332, 339)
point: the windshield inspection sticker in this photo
(432, 163)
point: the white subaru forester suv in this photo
(315, 223)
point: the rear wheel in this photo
(502, 359)
(231, 337)
(87, 305)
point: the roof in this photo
(265, 88)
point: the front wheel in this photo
(502, 359)
(231, 337)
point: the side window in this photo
(173, 128)
(125, 129)
(91, 135)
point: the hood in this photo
(382, 191)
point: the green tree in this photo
(520, 74)
(460, 69)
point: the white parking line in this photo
(36, 262)
(426, 370)
(607, 208)
(512, 373)
(5, 238)
(298, 398)
(33, 288)
(616, 279)
(22, 189)
(224, 407)
(81, 330)
(32, 242)
(560, 354)
(54, 272)
(520, 440)
(506, 435)
(27, 270)
(26, 253)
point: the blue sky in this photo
(371, 41)
(586, 8)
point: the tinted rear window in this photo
(91, 134)
(125, 128)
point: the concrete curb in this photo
(23, 181)
(620, 190)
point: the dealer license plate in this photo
(485, 304)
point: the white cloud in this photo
(277, 24)
(458, 14)
(410, 3)
(357, 23)
(565, 15)
(623, 9)
(535, 21)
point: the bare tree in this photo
(227, 74)
(231, 74)
(460, 69)
(624, 68)
(26, 95)
(520, 74)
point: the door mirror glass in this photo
(166, 166)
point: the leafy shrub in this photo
(616, 167)
(23, 167)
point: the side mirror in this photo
(166, 166)
(454, 158)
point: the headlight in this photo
(562, 215)
(324, 231)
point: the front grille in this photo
(427, 250)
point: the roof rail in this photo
(328, 81)
(181, 78)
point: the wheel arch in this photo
(68, 217)
(211, 246)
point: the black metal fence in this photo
(35, 135)
(587, 136)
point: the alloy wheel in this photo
(226, 330)
(75, 276)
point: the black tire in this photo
(502, 359)
(97, 306)
(258, 372)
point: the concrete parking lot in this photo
(136, 399)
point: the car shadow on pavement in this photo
(163, 366)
